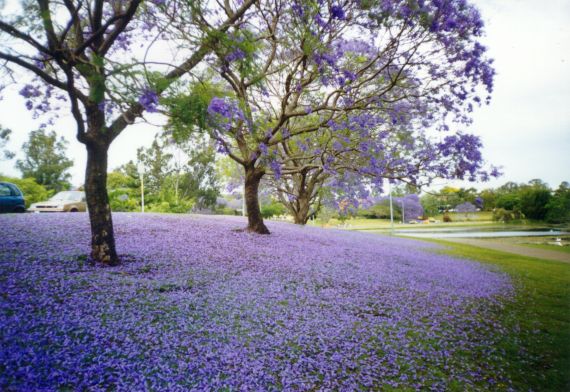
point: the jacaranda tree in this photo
(88, 53)
(369, 152)
(296, 68)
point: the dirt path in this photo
(516, 249)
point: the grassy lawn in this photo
(540, 353)
(546, 242)
(557, 248)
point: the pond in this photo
(480, 233)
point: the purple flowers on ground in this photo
(198, 305)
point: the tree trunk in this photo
(102, 235)
(302, 208)
(254, 219)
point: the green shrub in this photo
(158, 207)
(33, 192)
(123, 200)
(184, 206)
(503, 215)
(226, 211)
(325, 214)
(273, 209)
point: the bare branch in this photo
(39, 72)
(24, 37)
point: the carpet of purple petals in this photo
(199, 305)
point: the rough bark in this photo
(301, 209)
(305, 188)
(254, 219)
(102, 236)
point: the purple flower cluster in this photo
(224, 112)
(235, 55)
(479, 202)
(198, 306)
(30, 91)
(466, 207)
(337, 12)
(149, 100)
(276, 168)
(410, 206)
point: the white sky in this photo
(525, 129)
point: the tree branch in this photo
(106, 45)
(136, 109)
(14, 32)
(24, 64)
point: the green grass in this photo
(539, 354)
(563, 249)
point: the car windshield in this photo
(67, 196)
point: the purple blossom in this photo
(225, 107)
(276, 168)
(197, 305)
(320, 21)
(30, 91)
(149, 100)
(298, 9)
(337, 12)
(263, 148)
(479, 202)
(224, 113)
(465, 207)
(235, 55)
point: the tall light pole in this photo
(140, 169)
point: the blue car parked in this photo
(11, 198)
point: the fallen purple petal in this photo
(199, 305)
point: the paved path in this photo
(516, 249)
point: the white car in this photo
(67, 201)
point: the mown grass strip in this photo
(538, 355)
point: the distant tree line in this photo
(534, 200)
(177, 177)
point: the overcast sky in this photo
(525, 129)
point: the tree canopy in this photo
(45, 160)
(84, 56)
(381, 87)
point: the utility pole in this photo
(403, 211)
